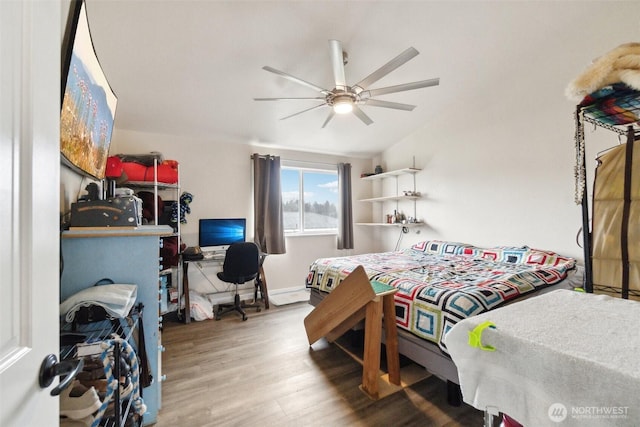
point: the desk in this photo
(218, 259)
(355, 299)
(564, 354)
(261, 284)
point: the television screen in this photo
(219, 233)
(88, 103)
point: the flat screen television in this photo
(88, 103)
(216, 234)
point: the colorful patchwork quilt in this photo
(440, 283)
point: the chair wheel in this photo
(244, 317)
(259, 309)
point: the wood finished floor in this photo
(262, 372)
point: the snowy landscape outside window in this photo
(315, 190)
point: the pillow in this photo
(512, 255)
(441, 247)
(542, 257)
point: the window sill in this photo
(311, 234)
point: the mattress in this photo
(441, 283)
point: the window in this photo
(317, 191)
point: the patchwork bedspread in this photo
(440, 283)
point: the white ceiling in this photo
(192, 68)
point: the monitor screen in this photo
(219, 233)
(88, 103)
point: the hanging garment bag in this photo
(616, 221)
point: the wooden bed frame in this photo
(431, 357)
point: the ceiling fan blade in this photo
(329, 117)
(361, 115)
(400, 88)
(337, 63)
(388, 67)
(387, 104)
(289, 99)
(295, 79)
(304, 111)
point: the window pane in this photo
(290, 182)
(320, 200)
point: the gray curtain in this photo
(267, 204)
(345, 216)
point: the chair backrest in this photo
(241, 262)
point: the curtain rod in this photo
(264, 156)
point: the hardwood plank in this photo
(263, 372)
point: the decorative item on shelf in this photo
(378, 169)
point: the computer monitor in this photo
(216, 234)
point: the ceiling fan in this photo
(345, 99)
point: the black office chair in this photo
(241, 265)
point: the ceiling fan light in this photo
(343, 106)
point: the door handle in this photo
(50, 368)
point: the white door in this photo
(30, 43)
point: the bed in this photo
(441, 283)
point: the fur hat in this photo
(622, 64)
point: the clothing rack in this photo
(616, 109)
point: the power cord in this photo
(403, 230)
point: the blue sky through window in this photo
(320, 188)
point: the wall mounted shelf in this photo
(390, 198)
(398, 197)
(397, 224)
(392, 173)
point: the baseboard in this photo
(247, 294)
(286, 290)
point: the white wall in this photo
(218, 175)
(500, 171)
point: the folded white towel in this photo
(116, 299)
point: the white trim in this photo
(306, 165)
